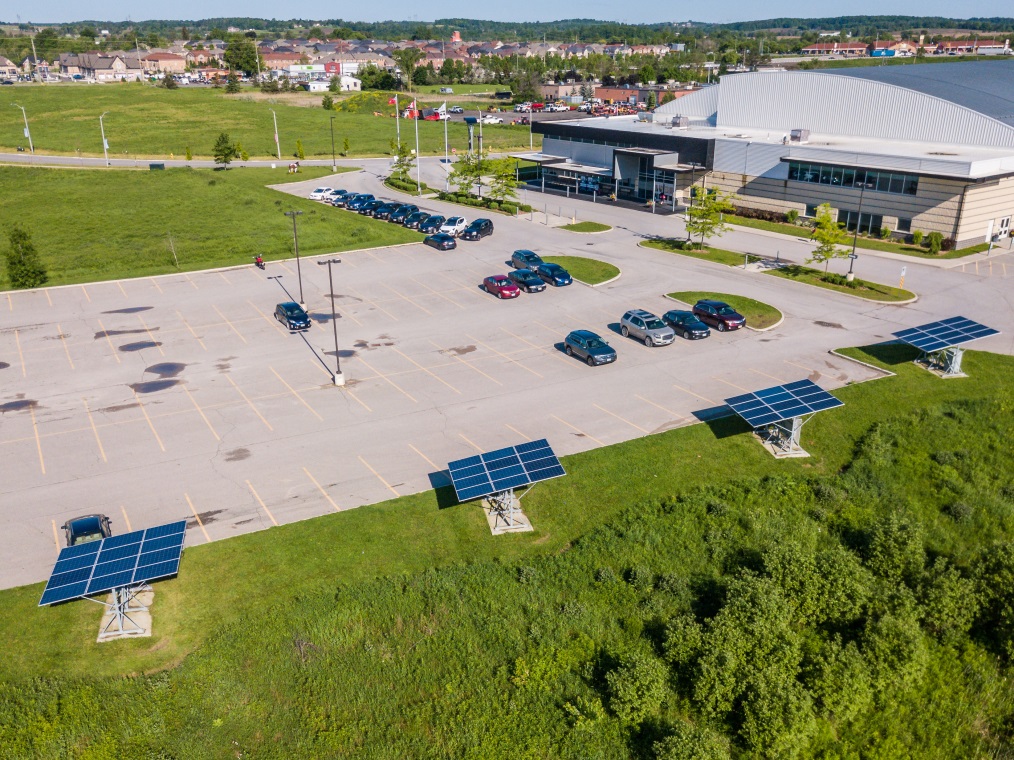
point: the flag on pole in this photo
(443, 109)
(392, 101)
(412, 104)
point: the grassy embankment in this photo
(717, 255)
(590, 271)
(758, 315)
(587, 227)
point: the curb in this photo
(875, 368)
(578, 232)
(754, 329)
(605, 282)
(850, 295)
(641, 244)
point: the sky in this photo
(636, 12)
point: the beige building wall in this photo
(987, 203)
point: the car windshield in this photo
(654, 324)
(596, 343)
(320, 190)
(553, 268)
(85, 526)
(727, 311)
(435, 220)
(455, 220)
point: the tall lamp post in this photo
(334, 163)
(855, 234)
(105, 145)
(339, 378)
(28, 132)
(295, 246)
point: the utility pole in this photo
(339, 378)
(35, 59)
(28, 133)
(295, 247)
(334, 163)
(278, 146)
(105, 145)
(418, 166)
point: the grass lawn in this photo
(872, 291)
(146, 121)
(758, 315)
(717, 255)
(459, 89)
(115, 223)
(888, 246)
(590, 271)
(587, 227)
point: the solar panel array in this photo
(944, 334)
(504, 469)
(783, 402)
(98, 566)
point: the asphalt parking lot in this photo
(173, 397)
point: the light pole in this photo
(855, 234)
(418, 163)
(295, 246)
(334, 163)
(339, 378)
(28, 133)
(105, 145)
(278, 147)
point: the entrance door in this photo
(1004, 230)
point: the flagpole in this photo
(418, 158)
(446, 168)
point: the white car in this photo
(319, 193)
(492, 120)
(454, 226)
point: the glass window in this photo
(836, 177)
(884, 183)
(897, 183)
(911, 185)
(848, 178)
(860, 177)
(825, 175)
(793, 171)
(811, 209)
(904, 225)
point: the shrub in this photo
(885, 232)
(689, 742)
(524, 207)
(640, 577)
(190, 154)
(526, 574)
(605, 575)
(636, 687)
(758, 213)
(509, 208)
(494, 206)
(935, 242)
(960, 511)
(917, 236)
(792, 216)
(895, 549)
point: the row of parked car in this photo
(530, 274)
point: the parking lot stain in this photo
(243, 522)
(129, 310)
(237, 455)
(344, 353)
(340, 296)
(118, 407)
(152, 386)
(113, 333)
(167, 369)
(20, 403)
(829, 324)
(205, 517)
(140, 345)
(457, 350)
(321, 317)
(814, 376)
(60, 336)
(4, 365)
(365, 344)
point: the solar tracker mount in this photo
(941, 343)
(777, 414)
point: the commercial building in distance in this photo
(927, 147)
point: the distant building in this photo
(844, 49)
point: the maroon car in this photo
(500, 286)
(719, 315)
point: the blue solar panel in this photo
(125, 560)
(935, 336)
(504, 469)
(783, 402)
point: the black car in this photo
(719, 314)
(400, 214)
(359, 201)
(86, 528)
(527, 280)
(441, 242)
(385, 211)
(370, 208)
(336, 197)
(413, 220)
(292, 315)
(686, 324)
(554, 274)
(586, 345)
(431, 224)
(480, 228)
(524, 259)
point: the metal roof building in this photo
(923, 146)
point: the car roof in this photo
(289, 305)
(86, 519)
(524, 272)
(525, 251)
(585, 334)
(711, 302)
(640, 313)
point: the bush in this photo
(885, 232)
(759, 213)
(792, 216)
(509, 208)
(494, 206)
(935, 242)
(917, 236)
(636, 687)
(960, 511)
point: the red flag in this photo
(391, 102)
(412, 104)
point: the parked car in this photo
(480, 228)
(359, 201)
(719, 315)
(334, 195)
(431, 224)
(319, 193)
(501, 286)
(370, 208)
(554, 274)
(492, 120)
(292, 315)
(413, 220)
(454, 226)
(455, 109)
(584, 344)
(527, 280)
(400, 214)
(341, 201)
(525, 259)
(685, 323)
(646, 327)
(385, 211)
(86, 528)
(441, 242)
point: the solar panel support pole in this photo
(120, 622)
(947, 361)
(786, 436)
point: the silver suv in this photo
(646, 327)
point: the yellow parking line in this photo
(374, 256)
(426, 458)
(322, 491)
(406, 298)
(21, 356)
(222, 275)
(437, 293)
(126, 519)
(150, 425)
(85, 291)
(811, 371)
(502, 355)
(187, 324)
(388, 380)
(698, 395)
(427, 371)
(368, 467)
(198, 518)
(283, 266)
(112, 348)
(765, 374)
(373, 303)
(151, 337)
(120, 284)
(187, 278)
(63, 340)
(201, 412)
(261, 501)
(543, 349)
(467, 364)
(273, 322)
(578, 430)
(155, 283)
(56, 537)
(294, 393)
(226, 320)
(91, 421)
(659, 406)
(621, 419)
(38, 441)
(10, 303)
(354, 397)
(48, 299)
(249, 402)
(474, 445)
(732, 385)
(514, 429)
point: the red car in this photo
(500, 286)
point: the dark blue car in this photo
(431, 224)
(586, 345)
(554, 274)
(527, 280)
(292, 315)
(359, 201)
(687, 324)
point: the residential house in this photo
(278, 61)
(8, 69)
(102, 67)
(164, 63)
(37, 65)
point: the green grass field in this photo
(717, 255)
(116, 223)
(145, 121)
(707, 580)
(587, 227)
(872, 291)
(590, 271)
(758, 315)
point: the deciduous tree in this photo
(704, 216)
(24, 267)
(830, 238)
